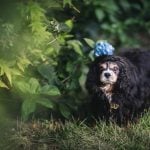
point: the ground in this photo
(76, 135)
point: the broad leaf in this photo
(28, 107)
(46, 102)
(30, 87)
(34, 85)
(99, 14)
(64, 110)
(47, 72)
(23, 87)
(50, 90)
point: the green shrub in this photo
(45, 48)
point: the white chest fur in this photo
(107, 89)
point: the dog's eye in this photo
(115, 68)
(101, 68)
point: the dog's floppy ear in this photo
(128, 78)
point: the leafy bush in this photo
(46, 46)
(122, 22)
(40, 63)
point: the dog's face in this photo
(109, 72)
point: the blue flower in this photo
(103, 48)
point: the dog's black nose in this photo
(107, 75)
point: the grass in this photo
(74, 135)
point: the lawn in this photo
(76, 135)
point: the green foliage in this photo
(123, 22)
(29, 44)
(65, 2)
(33, 93)
(90, 42)
(46, 46)
(34, 46)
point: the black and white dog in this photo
(120, 86)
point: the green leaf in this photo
(7, 72)
(106, 26)
(69, 66)
(90, 42)
(65, 2)
(23, 62)
(34, 85)
(64, 110)
(76, 45)
(46, 102)
(2, 84)
(23, 87)
(50, 90)
(30, 87)
(28, 107)
(99, 14)
(9, 77)
(69, 23)
(47, 72)
(125, 4)
(16, 72)
(82, 80)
